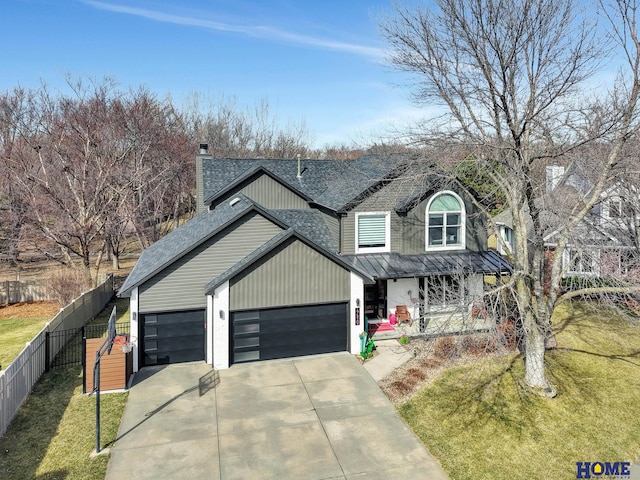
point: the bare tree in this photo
(233, 131)
(511, 78)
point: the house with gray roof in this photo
(290, 257)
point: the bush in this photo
(402, 387)
(416, 373)
(404, 339)
(446, 348)
(478, 344)
(430, 363)
(66, 285)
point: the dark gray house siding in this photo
(414, 223)
(408, 231)
(383, 200)
(180, 286)
(295, 274)
(268, 193)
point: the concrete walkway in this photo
(390, 356)
(309, 418)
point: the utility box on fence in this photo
(115, 369)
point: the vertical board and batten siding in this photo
(408, 235)
(384, 200)
(295, 274)
(268, 193)
(180, 286)
(414, 228)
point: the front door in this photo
(375, 304)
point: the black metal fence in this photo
(72, 353)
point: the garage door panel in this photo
(286, 332)
(172, 337)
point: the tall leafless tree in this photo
(511, 81)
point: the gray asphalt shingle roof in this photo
(310, 224)
(182, 240)
(395, 265)
(330, 183)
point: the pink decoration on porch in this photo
(392, 319)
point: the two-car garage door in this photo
(288, 332)
(265, 334)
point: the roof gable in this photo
(184, 239)
(252, 174)
(269, 247)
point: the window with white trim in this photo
(582, 262)
(445, 291)
(373, 232)
(445, 222)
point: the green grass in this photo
(15, 333)
(54, 432)
(480, 424)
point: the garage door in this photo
(288, 332)
(173, 337)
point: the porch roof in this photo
(395, 265)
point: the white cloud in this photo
(259, 31)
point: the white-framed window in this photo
(581, 262)
(373, 232)
(507, 237)
(445, 291)
(445, 222)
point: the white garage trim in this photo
(220, 331)
(208, 337)
(134, 326)
(356, 303)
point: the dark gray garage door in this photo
(173, 337)
(288, 332)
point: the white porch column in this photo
(134, 326)
(209, 332)
(356, 303)
(220, 316)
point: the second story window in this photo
(445, 222)
(373, 232)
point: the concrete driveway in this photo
(318, 417)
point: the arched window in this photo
(445, 222)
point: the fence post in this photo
(47, 351)
(84, 359)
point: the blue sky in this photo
(317, 61)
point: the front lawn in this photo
(479, 423)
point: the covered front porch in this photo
(441, 292)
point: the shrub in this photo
(404, 339)
(402, 387)
(416, 373)
(446, 348)
(66, 285)
(430, 363)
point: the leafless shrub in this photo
(416, 374)
(430, 363)
(402, 387)
(67, 284)
(446, 348)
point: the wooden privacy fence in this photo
(17, 381)
(16, 291)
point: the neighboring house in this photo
(289, 258)
(602, 245)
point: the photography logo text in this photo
(607, 470)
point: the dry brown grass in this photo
(29, 310)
